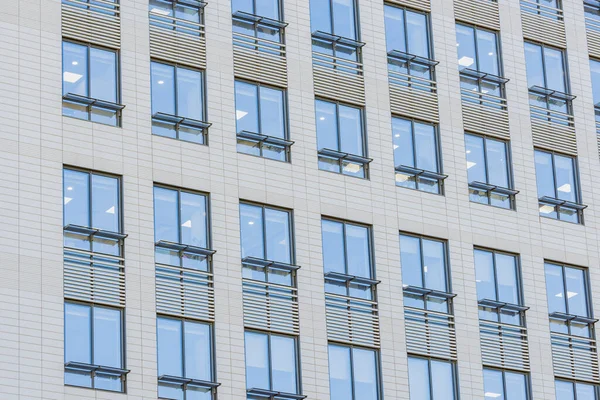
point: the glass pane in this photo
(403, 142)
(283, 359)
(103, 75)
(418, 379)
(166, 215)
(268, 8)
(418, 40)
(76, 194)
(564, 390)
(333, 247)
(535, 69)
(198, 362)
(487, 50)
(251, 225)
(465, 45)
(327, 127)
(351, 136)
(169, 347)
(394, 28)
(497, 163)
(78, 334)
(565, 178)
(434, 265)
(493, 385)
(105, 203)
(107, 337)
(364, 364)
(357, 246)
(555, 288)
(278, 235)
(595, 72)
(516, 386)
(161, 7)
(320, 16)
(508, 286)
(442, 380)
(246, 107)
(340, 378)
(426, 147)
(555, 69)
(193, 219)
(189, 94)
(198, 393)
(187, 13)
(246, 6)
(585, 391)
(343, 18)
(484, 275)
(272, 119)
(170, 391)
(410, 259)
(75, 69)
(257, 363)
(544, 174)
(475, 159)
(163, 88)
(576, 291)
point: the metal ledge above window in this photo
(424, 292)
(501, 306)
(93, 232)
(482, 186)
(92, 369)
(418, 172)
(257, 19)
(574, 318)
(273, 395)
(259, 262)
(337, 39)
(185, 248)
(351, 279)
(185, 382)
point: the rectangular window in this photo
(507, 385)
(185, 360)
(549, 92)
(558, 186)
(498, 277)
(431, 379)
(417, 155)
(178, 109)
(94, 347)
(91, 83)
(261, 121)
(181, 228)
(259, 25)
(341, 139)
(489, 171)
(567, 390)
(183, 16)
(92, 211)
(271, 366)
(353, 373)
(347, 259)
(592, 14)
(546, 8)
(595, 73)
(425, 273)
(569, 305)
(480, 66)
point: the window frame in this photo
(527, 376)
(578, 200)
(196, 4)
(199, 124)
(213, 348)
(428, 29)
(453, 365)
(74, 98)
(123, 341)
(337, 154)
(416, 172)
(298, 365)
(332, 21)
(378, 366)
(260, 137)
(574, 384)
(490, 189)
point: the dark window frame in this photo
(528, 389)
(454, 366)
(378, 365)
(196, 4)
(574, 387)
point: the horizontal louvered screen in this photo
(262, 63)
(486, 119)
(504, 346)
(94, 278)
(178, 44)
(352, 320)
(346, 85)
(271, 307)
(543, 24)
(575, 358)
(593, 37)
(184, 293)
(430, 334)
(553, 136)
(414, 103)
(418, 4)
(98, 23)
(478, 12)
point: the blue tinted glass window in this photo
(430, 379)
(353, 373)
(166, 215)
(76, 202)
(75, 69)
(595, 73)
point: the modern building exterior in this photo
(289, 199)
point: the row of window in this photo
(94, 334)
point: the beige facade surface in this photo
(36, 141)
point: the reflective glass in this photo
(403, 142)
(410, 259)
(333, 246)
(555, 69)
(534, 63)
(105, 203)
(493, 385)
(197, 339)
(277, 226)
(484, 275)
(268, 8)
(246, 107)
(283, 360)
(103, 74)
(418, 379)
(257, 363)
(497, 163)
(555, 288)
(357, 246)
(166, 215)
(487, 51)
(394, 28)
(320, 16)
(365, 374)
(585, 391)
(506, 270)
(576, 291)
(78, 333)
(516, 386)
(442, 380)
(544, 173)
(246, 6)
(350, 130)
(434, 265)
(465, 46)
(327, 126)
(272, 118)
(251, 223)
(340, 375)
(189, 94)
(426, 147)
(107, 337)
(565, 178)
(417, 29)
(193, 219)
(75, 69)
(564, 390)
(595, 73)
(169, 347)
(76, 198)
(344, 23)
